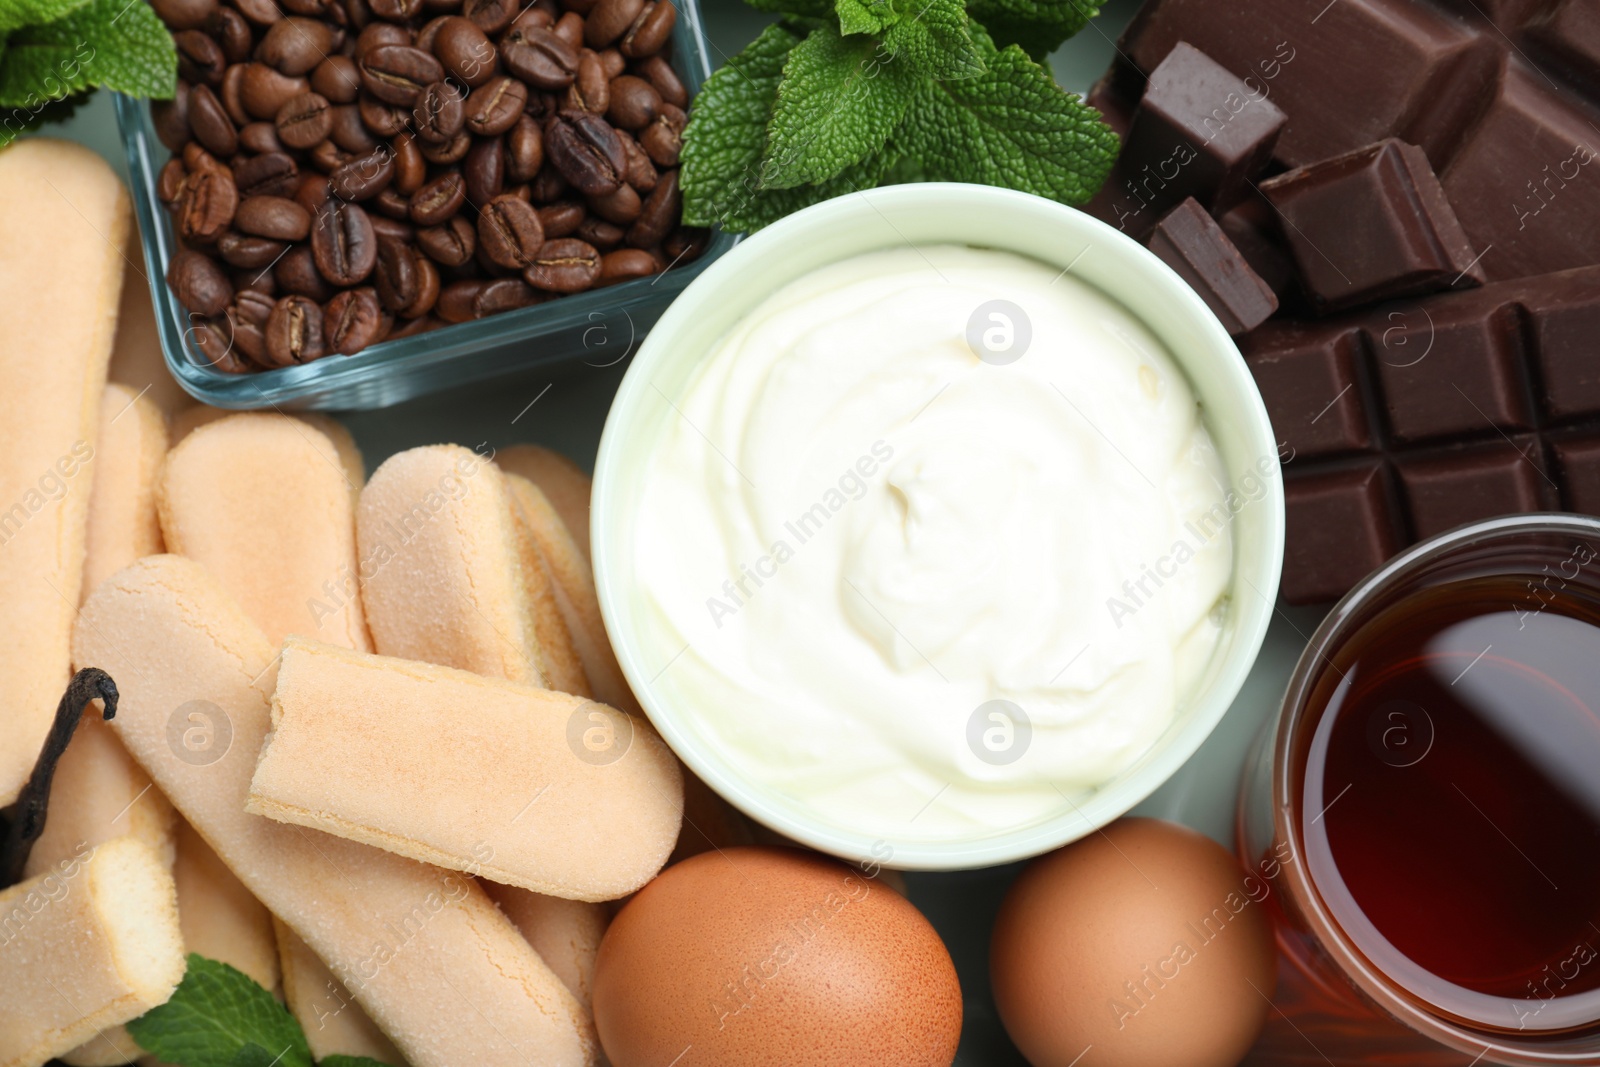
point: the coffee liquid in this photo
(1450, 803)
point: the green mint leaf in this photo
(15, 14)
(861, 16)
(350, 1061)
(769, 205)
(1011, 126)
(727, 132)
(117, 44)
(821, 10)
(839, 100)
(934, 38)
(1038, 26)
(216, 1017)
(19, 120)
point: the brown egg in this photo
(760, 957)
(1144, 944)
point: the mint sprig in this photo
(53, 50)
(901, 90)
(220, 1017)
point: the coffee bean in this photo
(215, 344)
(199, 284)
(622, 205)
(609, 20)
(379, 35)
(613, 63)
(294, 46)
(624, 265)
(391, 203)
(685, 244)
(294, 332)
(524, 153)
(231, 93)
(438, 114)
(353, 320)
(586, 151)
(233, 33)
(197, 159)
(384, 120)
(255, 281)
(581, 8)
(200, 59)
(413, 327)
(640, 173)
(247, 322)
(564, 266)
(207, 205)
(171, 119)
(348, 132)
(494, 107)
(465, 51)
(264, 91)
(274, 217)
(310, 8)
(297, 273)
(328, 157)
(590, 90)
(458, 301)
(439, 199)
(395, 10)
(249, 253)
(342, 243)
(454, 151)
(270, 174)
(602, 234)
(363, 177)
(548, 186)
(304, 121)
(484, 170)
(659, 215)
(540, 58)
(650, 31)
(428, 285)
(450, 244)
(490, 16)
(569, 27)
(385, 227)
(560, 219)
(659, 73)
(395, 275)
(662, 140)
(260, 138)
(184, 14)
(313, 191)
(505, 294)
(634, 103)
(397, 74)
(259, 12)
(509, 232)
(338, 79)
(169, 183)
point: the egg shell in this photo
(1143, 944)
(759, 957)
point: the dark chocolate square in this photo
(1200, 132)
(1570, 33)
(1371, 224)
(1450, 367)
(1564, 320)
(1341, 526)
(1578, 459)
(1190, 242)
(1449, 487)
(1252, 226)
(1307, 376)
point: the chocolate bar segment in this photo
(1463, 484)
(1307, 374)
(1341, 525)
(1212, 131)
(1371, 224)
(1190, 242)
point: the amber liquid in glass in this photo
(1450, 803)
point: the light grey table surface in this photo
(568, 416)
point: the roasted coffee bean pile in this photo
(346, 171)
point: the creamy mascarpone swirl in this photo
(860, 534)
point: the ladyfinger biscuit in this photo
(334, 1023)
(441, 573)
(572, 586)
(220, 918)
(426, 953)
(195, 416)
(560, 479)
(129, 450)
(563, 666)
(136, 357)
(86, 947)
(565, 933)
(263, 502)
(64, 222)
(527, 787)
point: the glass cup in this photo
(1341, 997)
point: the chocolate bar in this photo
(1190, 242)
(1371, 224)
(1404, 420)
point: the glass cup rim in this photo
(1307, 900)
